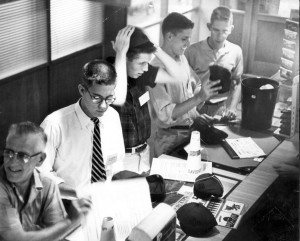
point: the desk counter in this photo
(252, 188)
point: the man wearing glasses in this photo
(217, 50)
(70, 130)
(85, 139)
(30, 203)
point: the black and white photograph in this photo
(141, 120)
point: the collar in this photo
(84, 120)
(224, 50)
(36, 185)
(131, 82)
(37, 182)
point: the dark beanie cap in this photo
(220, 73)
(206, 185)
(139, 38)
(195, 219)
(157, 187)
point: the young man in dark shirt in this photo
(134, 114)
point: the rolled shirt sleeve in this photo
(162, 104)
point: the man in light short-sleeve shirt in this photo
(216, 50)
(30, 203)
(175, 106)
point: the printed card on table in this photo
(229, 220)
(233, 207)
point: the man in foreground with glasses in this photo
(217, 50)
(70, 130)
(30, 203)
(85, 139)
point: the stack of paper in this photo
(126, 201)
(176, 169)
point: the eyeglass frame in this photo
(95, 100)
(25, 159)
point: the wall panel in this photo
(65, 76)
(237, 34)
(32, 96)
(23, 98)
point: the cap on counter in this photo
(195, 219)
(206, 185)
(209, 134)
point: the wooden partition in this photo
(33, 94)
(24, 97)
(65, 76)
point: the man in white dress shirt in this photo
(70, 129)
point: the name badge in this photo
(111, 159)
(144, 98)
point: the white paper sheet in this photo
(176, 169)
(245, 147)
(126, 201)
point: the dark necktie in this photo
(98, 168)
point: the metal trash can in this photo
(258, 104)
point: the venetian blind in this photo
(23, 35)
(75, 25)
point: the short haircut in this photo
(98, 72)
(26, 128)
(139, 44)
(221, 13)
(176, 22)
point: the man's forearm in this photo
(56, 232)
(170, 65)
(121, 45)
(182, 108)
(121, 87)
(235, 97)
